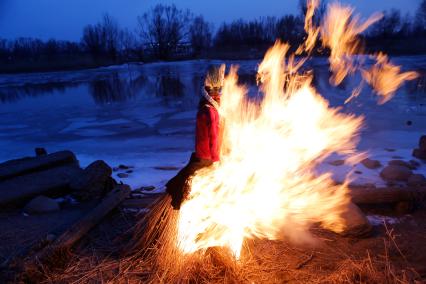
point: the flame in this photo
(310, 29)
(386, 78)
(265, 185)
(339, 32)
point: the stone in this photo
(409, 122)
(40, 152)
(41, 204)
(94, 182)
(390, 150)
(337, 162)
(414, 163)
(403, 207)
(129, 171)
(355, 223)
(395, 173)
(358, 172)
(419, 154)
(400, 163)
(422, 143)
(50, 237)
(122, 175)
(416, 179)
(124, 167)
(147, 188)
(371, 164)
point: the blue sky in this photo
(65, 19)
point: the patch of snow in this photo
(377, 220)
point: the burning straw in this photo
(265, 185)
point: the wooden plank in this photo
(13, 168)
(365, 195)
(139, 203)
(53, 181)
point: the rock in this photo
(124, 167)
(416, 179)
(123, 175)
(115, 169)
(355, 223)
(390, 150)
(94, 182)
(337, 162)
(409, 122)
(129, 171)
(422, 143)
(404, 207)
(395, 173)
(371, 164)
(419, 154)
(50, 237)
(400, 163)
(41, 204)
(358, 172)
(414, 163)
(40, 152)
(396, 157)
(147, 188)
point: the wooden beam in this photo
(18, 167)
(54, 182)
(66, 240)
(386, 195)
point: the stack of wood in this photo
(39, 180)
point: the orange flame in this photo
(265, 185)
(385, 78)
(339, 32)
(311, 30)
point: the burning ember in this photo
(265, 185)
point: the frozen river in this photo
(143, 115)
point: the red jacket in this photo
(207, 144)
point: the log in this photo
(65, 241)
(139, 203)
(73, 234)
(18, 167)
(387, 195)
(51, 182)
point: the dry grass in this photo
(155, 259)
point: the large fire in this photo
(265, 185)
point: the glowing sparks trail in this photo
(265, 185)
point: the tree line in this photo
(167, 32)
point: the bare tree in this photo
(290, 29)
(200, 35)
(388, 26)
(420, 21)
(163, 28)
(102, 38)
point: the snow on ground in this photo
(147, 121)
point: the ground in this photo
(394, 253)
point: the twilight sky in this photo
(65, 19)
